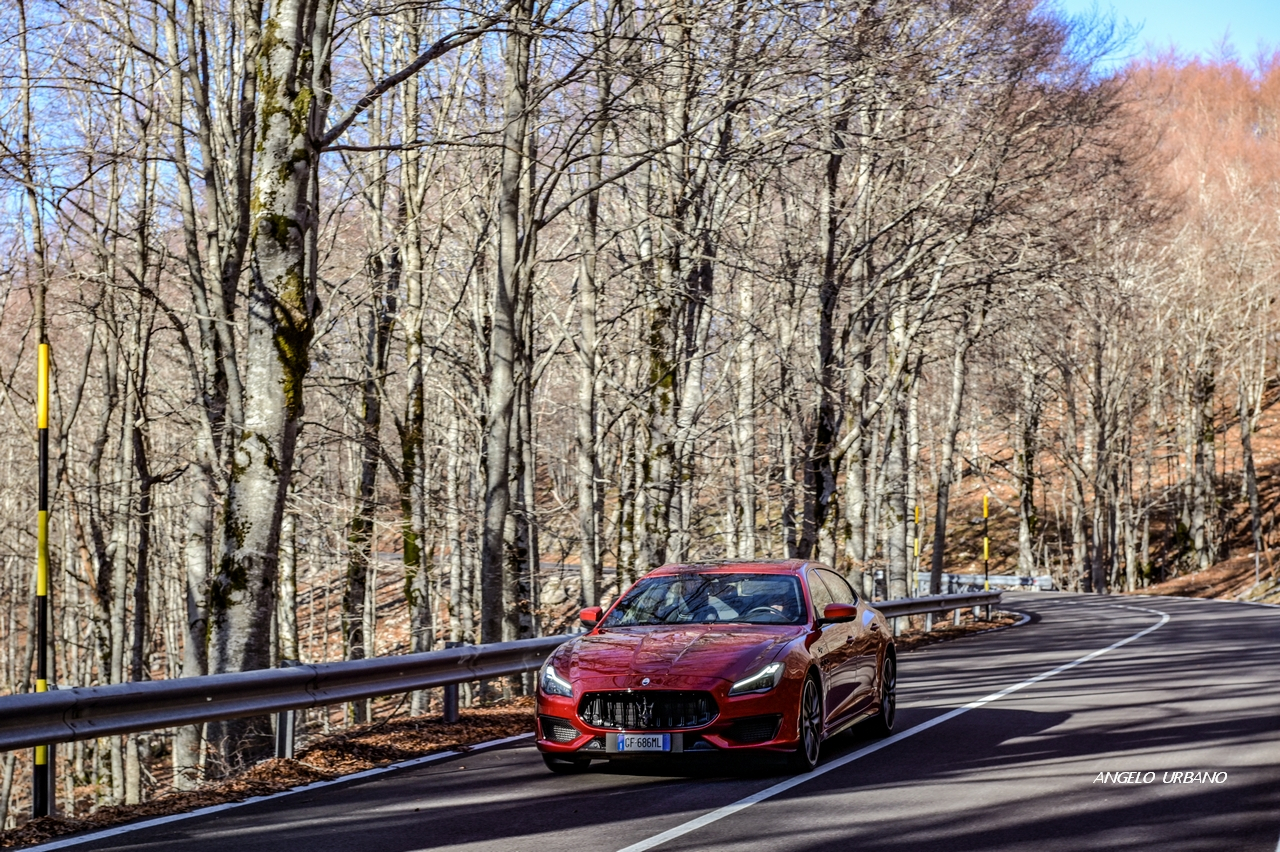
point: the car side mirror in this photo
(591, 616)
(837, 612)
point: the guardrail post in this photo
(286, 723)
(988, 608)
(928, 622)
(451, 693)
(44, 798)
(955, 616)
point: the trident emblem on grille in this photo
(644, 713)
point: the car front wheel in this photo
(882, 724)
(805, 757)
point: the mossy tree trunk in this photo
(293, 81)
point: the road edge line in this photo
(784, 786)
(116, 830)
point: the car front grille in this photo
(558, 730)
(753, 729)
(647, 710)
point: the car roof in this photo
(735, 566)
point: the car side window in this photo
(818, 593)
(839, 587)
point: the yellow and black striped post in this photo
(42, 780)
(916, 563)
(986, 545)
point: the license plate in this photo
(644, 742)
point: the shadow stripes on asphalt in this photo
(784, 786)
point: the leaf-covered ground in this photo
(363, 748)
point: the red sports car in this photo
(724, 657)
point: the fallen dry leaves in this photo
(913, 639)
(363, 748)
(1231, 579)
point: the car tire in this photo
(805, 757)
(566, 765)
(882, 722)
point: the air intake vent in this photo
(753, 729)
(647, 710)
(558, 730)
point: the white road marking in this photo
(315, 785)
(784, 786)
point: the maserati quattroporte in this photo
(724, 657)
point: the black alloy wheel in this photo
(566, 765)
(882, 724)
(805, 757)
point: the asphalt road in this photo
(1196, 692)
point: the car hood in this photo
(671, 654)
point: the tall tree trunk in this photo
(966, 332)
(124, 768)
(504, 343)
(821, 470)
(139, 659)
(653, 446)
(1027, 445)
(744, 427)
(587, 469)
(293, 76)
(1247, 409)
(459, 626)
(914, 510)
(361, 539)
(287, 602)
(418, 557)
(195, 661)
(1203, 492)
(523, 563)
(895, 516)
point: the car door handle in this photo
(875, 626)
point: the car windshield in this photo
(709, 599)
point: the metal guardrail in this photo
(935, 603)
(955, 584)
(82, 713)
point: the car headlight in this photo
(553, 684)
(762, 681)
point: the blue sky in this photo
(1193, 26)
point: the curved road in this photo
(1001, 739)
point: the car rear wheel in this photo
(882, 724)
(805, 757)
(566, 765)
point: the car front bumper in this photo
(755, 722)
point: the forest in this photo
(375, 326)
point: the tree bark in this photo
(505, 344)
(966, 332)
(293, 76)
